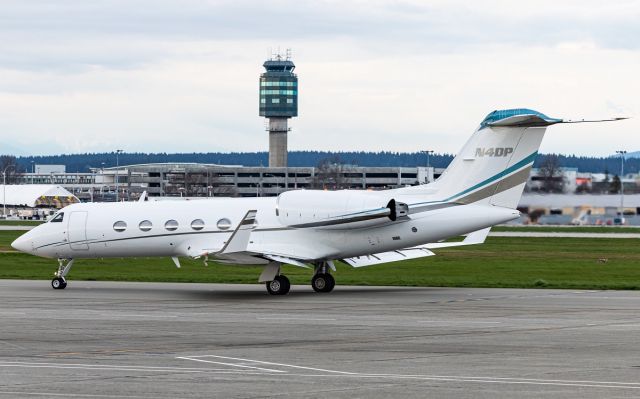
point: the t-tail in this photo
(493, 166)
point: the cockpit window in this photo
(58, 218)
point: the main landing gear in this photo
(59, 282)
(277, 284)
(322, 280)
(280, 285)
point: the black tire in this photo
(59, 283)
(323, 282)
(331, 283)
(279, 286)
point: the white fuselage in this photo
(95, 230)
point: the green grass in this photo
(569, 229)
(20, 222)
(7, 237)
(501, 262)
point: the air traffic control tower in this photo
(278, 102)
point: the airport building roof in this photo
(32, 195)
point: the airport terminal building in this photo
(211, 180)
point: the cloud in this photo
(376, 75)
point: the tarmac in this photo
(164, 340)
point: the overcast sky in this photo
(182, 76)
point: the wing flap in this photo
(386, 257)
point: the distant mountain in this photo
(82, 162)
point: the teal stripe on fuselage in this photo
(526, 161)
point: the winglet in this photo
(239, 240)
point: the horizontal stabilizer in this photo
(477, 237)
(595, 120)
(386, 257)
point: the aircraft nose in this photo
(22, 243)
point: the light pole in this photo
(181, 189)
(117, 167)
(428, 152)
(622, 154)
(4, 190)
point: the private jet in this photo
(312, 228)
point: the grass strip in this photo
(570, 263)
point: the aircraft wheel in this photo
(279, 286)
(59, 283)
(323, 282)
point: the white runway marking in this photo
(195, 359)
(245, 369)
(485, 380)
(269, 363)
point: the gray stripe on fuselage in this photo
(340, 221)
(497, 187)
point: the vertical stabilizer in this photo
(493, 166)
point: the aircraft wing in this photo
(235, 249)
(476, 237)
(386, 257)
(240, 237)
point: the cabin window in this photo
(171, 225)
(145, 225)
(120, 226)
(58, 218)
(224, 224)
(197, 224)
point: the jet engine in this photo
(337, 209)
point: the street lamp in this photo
(622, 154)
(33, 171)
(4, 190)
(428, 152)
(117, 167)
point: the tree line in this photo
(83, 162)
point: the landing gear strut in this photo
(322, 280)
(59, 282)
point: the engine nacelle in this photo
(337, 209)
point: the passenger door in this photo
(77, 231)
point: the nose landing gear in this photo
(59, 282)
